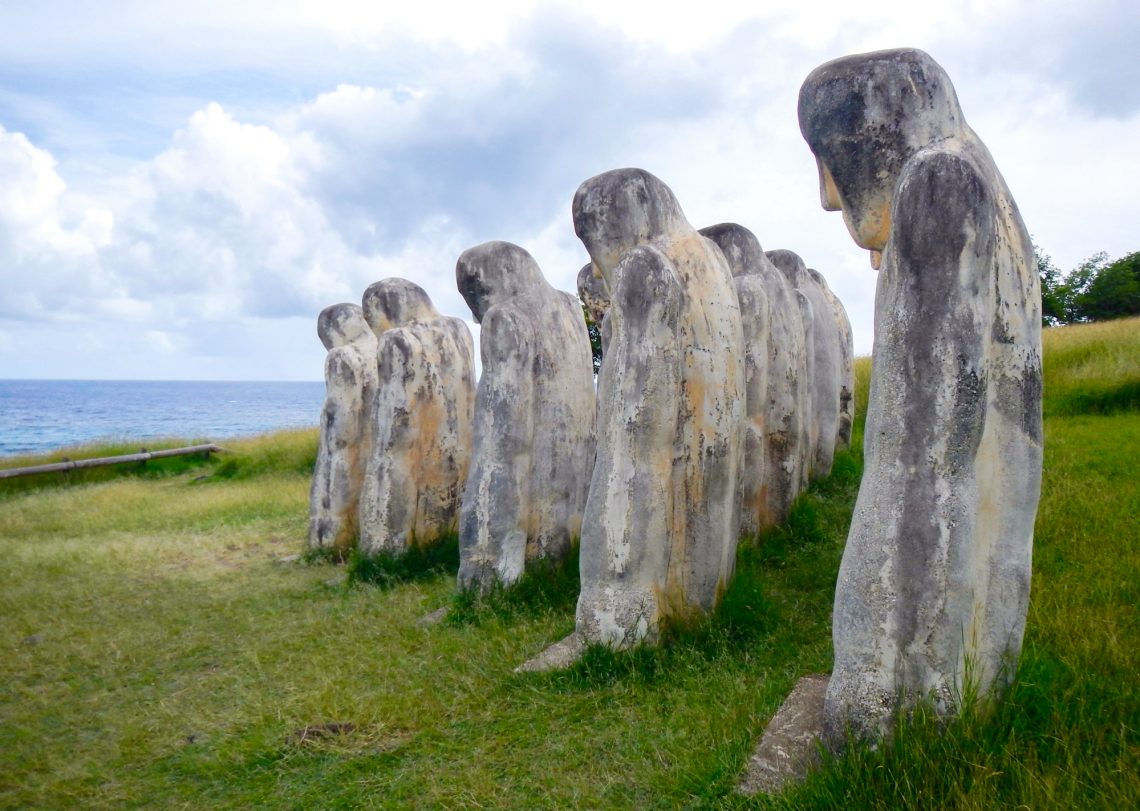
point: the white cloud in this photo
(345, 142)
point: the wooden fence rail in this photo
(77, 464)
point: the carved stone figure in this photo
(345, 438)
(742, 251)
(781, 415)
(826, 364)
(846, 362)
(659, 534)
(932, 590)
(593, 294)
(422, 420)
(534, 418)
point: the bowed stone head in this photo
(396, 302)
(621, 209)
(494, 272)
(864, 116)
(791, 264)
(739, 245)
(341, 324)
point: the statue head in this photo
(790, 264)
(864, 117)
(396, 302)
(621, 209)
(592, 293)
(818, 277)
(739, 245)
(341, 324)
(494, 272)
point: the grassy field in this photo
(160, 648)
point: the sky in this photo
(184, 186)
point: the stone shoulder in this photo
(944, 199)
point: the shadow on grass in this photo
(545, 588)
(418, 563)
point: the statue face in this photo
(864, 117)
(866, 212)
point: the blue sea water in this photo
(41, 415)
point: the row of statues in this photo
(726, 385)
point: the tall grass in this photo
(157, 651)
(1092, 368)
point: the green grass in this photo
(157, 651)
(1092, 368)
(418, 563)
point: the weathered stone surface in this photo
(934, 582)
(789, 748)
(742, 251)
(422, 420)
(846, 362)
(826, 362)
(781, 416)
(659, 533)
(593, 293)
(534, 418)
(345, 438)
(558, 656)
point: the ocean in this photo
(41, 415)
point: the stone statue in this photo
(846, 362)
(345, 438)
(932, 590)
(780, 415)
(659, 533)
(534, 418)
(422, 420)
(741, 250)
(826, 371)
(593, 294)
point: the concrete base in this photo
(788, 749)
(559, 656)
(434, 618)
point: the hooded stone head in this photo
(592, 293)
(341, 324)
(739, 245)
(819, 279)
(864, 117)
(791, 265)
(493, 272)
(621, 209)
(396, 302)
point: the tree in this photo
(1052, 288)
(1077, 285)
(1113, 291)
(1095, 290)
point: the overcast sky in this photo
(183, 187)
